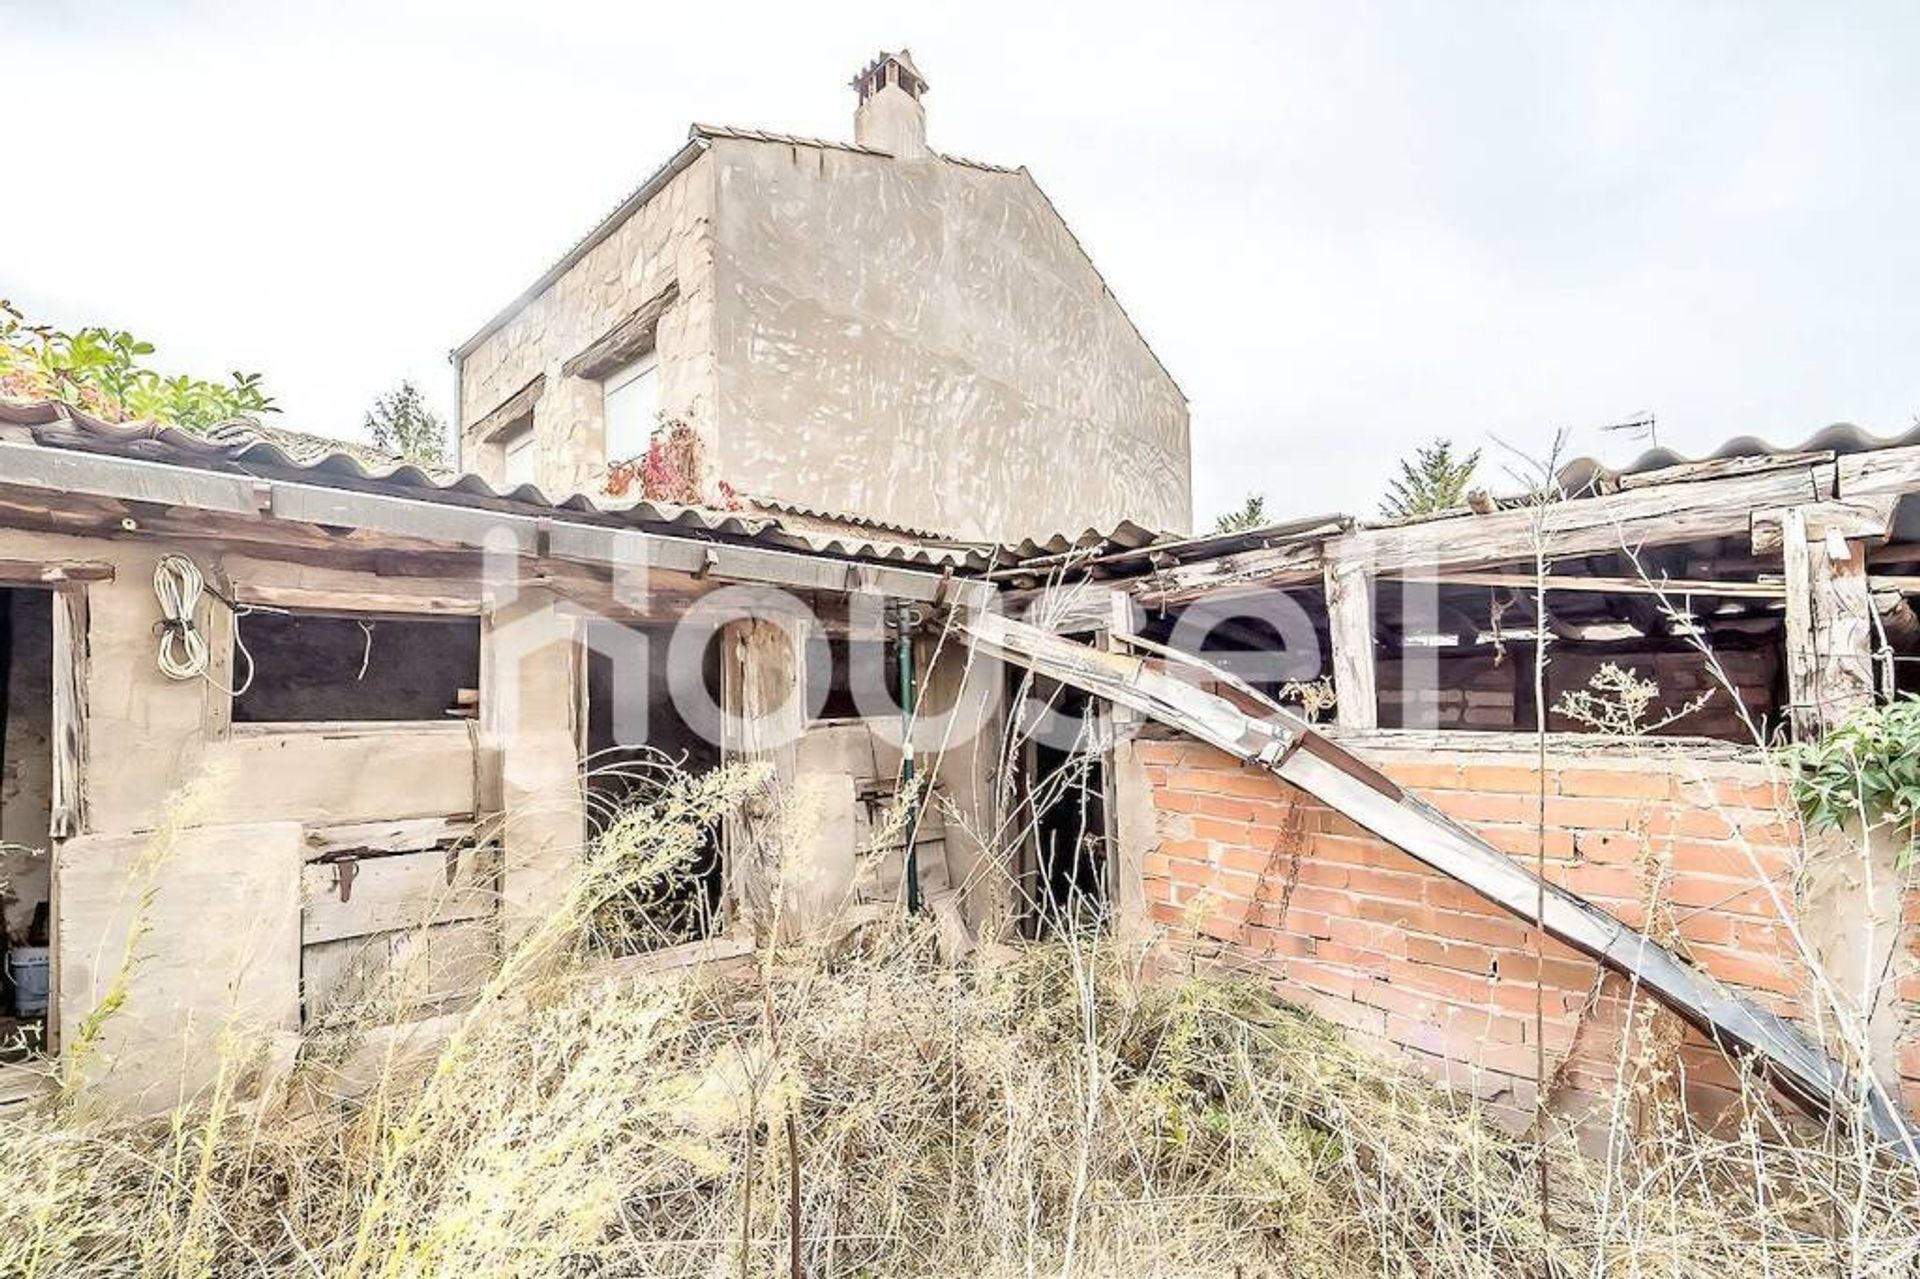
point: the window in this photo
(333, 668)
(632, 398)
(521, 459)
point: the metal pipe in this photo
(903, 622)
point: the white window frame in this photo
(647, 366)
(516, 445)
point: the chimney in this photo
(890, 117)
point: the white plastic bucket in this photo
(27, 970)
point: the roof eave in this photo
(675, 165)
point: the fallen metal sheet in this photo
(1261, 732)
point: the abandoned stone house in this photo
(871, 328)
(392, 746)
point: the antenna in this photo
(1640, 426)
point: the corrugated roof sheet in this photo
(1591, 475)
(241, 447)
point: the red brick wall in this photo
(1245, 869)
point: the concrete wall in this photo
(924, 342)
(216, 821)
(666, 242)
(1238, 868)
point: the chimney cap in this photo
(873, 77)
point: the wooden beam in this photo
(626, 341)
(1350, 630)
(1829, 626)
(1286, 746)
(53, 572)
(1868, 516)
(1605, 585)
(1636, 518)
(509, 412)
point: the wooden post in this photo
(1350, 630)
(1829, 626)
(764, 699)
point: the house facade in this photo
(870, 327)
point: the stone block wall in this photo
(667, 241)
(1238, 868)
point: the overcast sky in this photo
(1346, 228)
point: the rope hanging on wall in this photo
(183, 652)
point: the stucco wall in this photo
(666, 241)
(216, 820)
(924, 342)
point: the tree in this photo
(401, 423)
(1250, 516)
(1433, 480)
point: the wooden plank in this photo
(1869, 516)
(359, 602)
(626, 341)
(509, 412)
(1636, 518)
(1350, 628)
(53, 572)
(398, 835)
(356, 896)
(401, 975)
(72, 662)
(764, 702)
(1604, 585)
(1843, 634)
(1892, 471)
(1723, 468)
(1802, 687)
(1287, 746)
(1829, 626)
(330, 774)
(219, 953)
(1292, 565)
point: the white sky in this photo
(1345, 228)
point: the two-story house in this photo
(870, 328)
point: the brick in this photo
(1733, 859)
(1466, 957)
(1617, 847)
(1502, 779)
(1220, 832)
(1459, 987)
(1425, 776)
(1467, 806)
(1523, 842)
(1728, 896)
(1568, 974)
(1751, 971)
(1616, 783)
(1400, 914)
(1607, 883)
(1579, 812)
(1366, 935)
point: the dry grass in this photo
(1040, 1111)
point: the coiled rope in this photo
(183, 651)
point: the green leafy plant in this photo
(1867, 769)
(100, 371)
(1431, 481)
